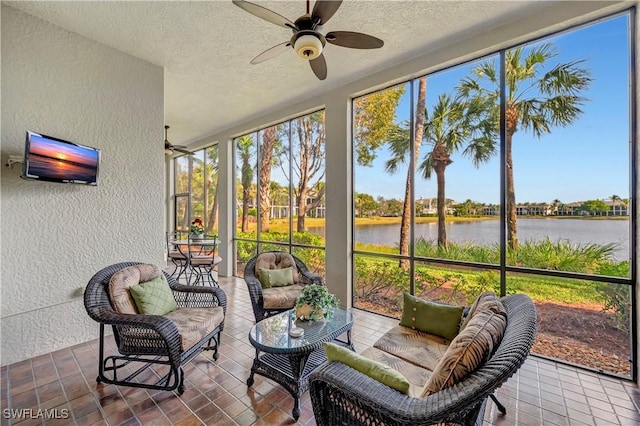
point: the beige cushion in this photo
(276, 260)
(487, 301)
(414, 346)
(281, 297)
(195, 323)
(471, 348)
(121, 281)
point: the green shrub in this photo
(617, 297)
(380, 278)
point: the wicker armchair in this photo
(342, 395)
(151, 340)
(305, 277)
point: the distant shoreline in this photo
(451, 219)
(281, 225)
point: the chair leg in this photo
(501, 407)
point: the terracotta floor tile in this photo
(153, 416)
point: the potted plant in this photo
(315, 302)
(197, 228)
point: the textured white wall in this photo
(56, 236)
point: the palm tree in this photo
(536, 100)
(212, 180)
(264, 175)
(452, 126)
(614, 201)
(244, 146)
(417, 141)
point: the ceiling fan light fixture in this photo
(308, 47)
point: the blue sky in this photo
(588, 160)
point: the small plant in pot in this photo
(315, 302)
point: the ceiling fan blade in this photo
(354, 40)
(323, 10)
(264, 13)
(271, 52)
(319, 67)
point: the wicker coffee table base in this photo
(291, 371)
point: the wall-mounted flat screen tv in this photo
(57, 160)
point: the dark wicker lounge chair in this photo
(149, 340)
(344, 396)
(305, 277)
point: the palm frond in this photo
(398, 142)
(567, 79)
(425, 168)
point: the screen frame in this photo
(29, 175)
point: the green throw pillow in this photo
(374, 369)
(433, 318)
(276, 277)
(154, 297)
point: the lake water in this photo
(577, 231)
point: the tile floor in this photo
(63, 383)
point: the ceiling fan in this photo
(307, 39)
(169, 148)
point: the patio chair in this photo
(175, 255)
(271, 301)
(165, 342)
(203, 260)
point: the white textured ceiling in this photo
(205, 48)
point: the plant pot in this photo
(197, 236)
(305, 312)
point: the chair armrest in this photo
(340, 394)
(255, 294)
(307, 277)
(188, 296)
(163, 326)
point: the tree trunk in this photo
(246, 197)
(264, 185)
(205, 199)
(213, 213)
(306, 208)
(417, 142)
(512, 116)
(441, 159)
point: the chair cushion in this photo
(121, 281)
(154, 297)
(487, 301)
(276, 277)
(414, 346)
(276, 260)
(281, 297)
(175, 254)
(376, 370)
(205, 260)
(433, 318)
(471, 348)
(194, 324)
(416, 375)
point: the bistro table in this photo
(289, 360)
(193, 248)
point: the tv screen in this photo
(56, 160)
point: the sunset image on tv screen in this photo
(56, 160)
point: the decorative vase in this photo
(197, 236)
(304, 312)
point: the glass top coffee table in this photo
(289, 360)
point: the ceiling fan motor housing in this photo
(308, 44)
